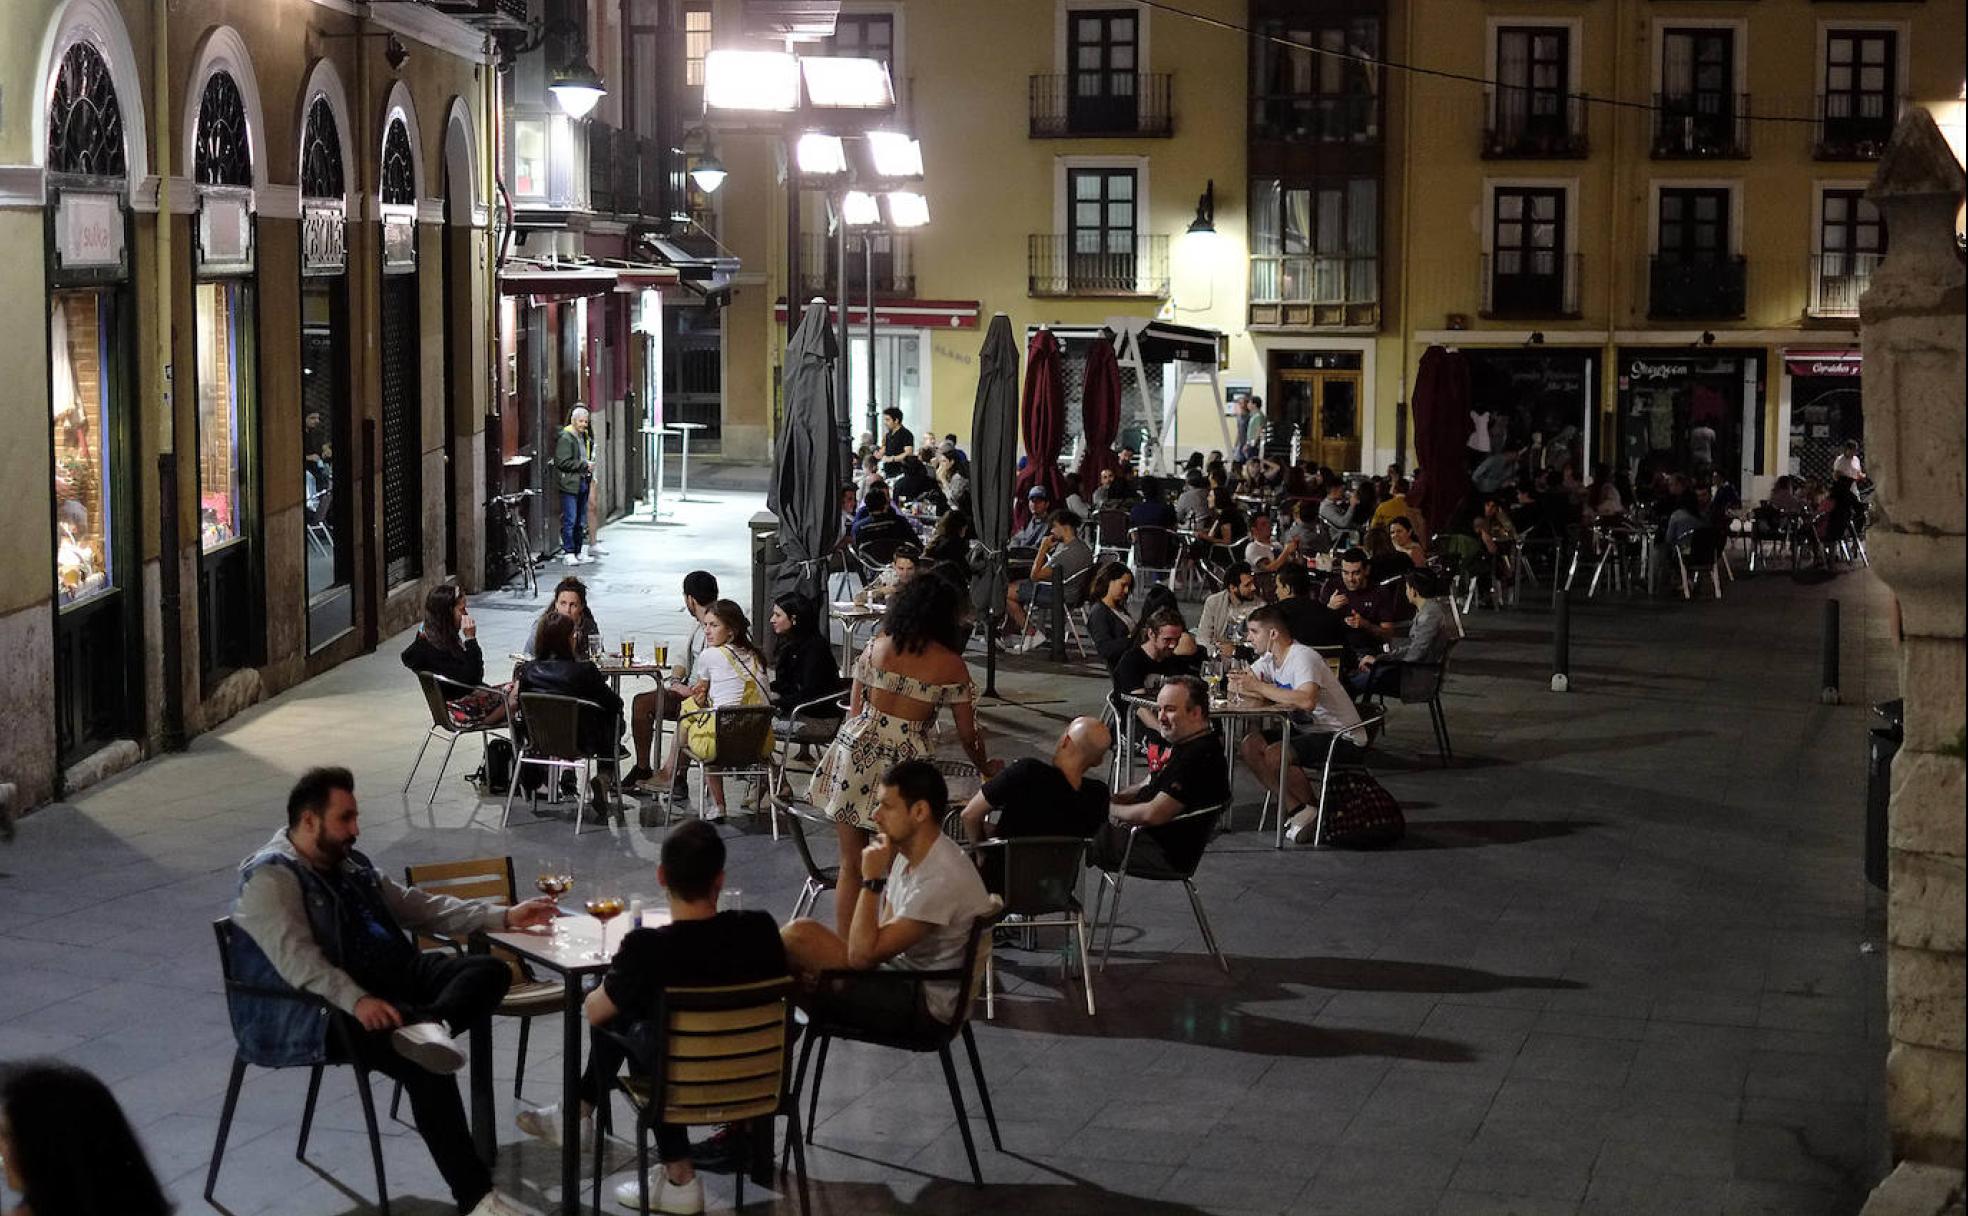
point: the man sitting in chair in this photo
(919, 895)
(316, 915)
(1062, 552)
(1193, 777)
(1047, 798)
(1294, 675)
(701, 947)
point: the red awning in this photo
(1823, 362)
(905, 314)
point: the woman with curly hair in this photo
(68, 1149)
(912, 669)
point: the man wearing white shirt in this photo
(1264, 552)
(1846, 473)
(1288, 673)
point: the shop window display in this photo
(78, 355)
(221, 418)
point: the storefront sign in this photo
(1650, 370)
(399, 241)
(1804, 363)
(89, 232)
(324, 239)
(225, 233)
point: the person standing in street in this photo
(574, 472)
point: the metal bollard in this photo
(1056, 623)
(1561, 640)
(1828, 660)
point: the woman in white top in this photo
(729, 671)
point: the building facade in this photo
(251, 246)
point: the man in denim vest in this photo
(314, 914)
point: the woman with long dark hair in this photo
(68, 1149)
(447, 645)
(730, 671)
(1109, 623)
(912, 669)
(570, 599)
(803, 669)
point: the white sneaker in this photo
(495, 1204)
(597, 548)
(712, 814)
(1301, 824)
(429, 1047)
(1036, 641)
(569, 559)
(544, 1123)
(669, 1198)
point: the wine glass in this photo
(604, 908)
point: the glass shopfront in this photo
(1681, 412)
(1538, 401)
(328, 547)
(81, 332)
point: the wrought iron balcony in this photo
(1694, 289)
(1530, 284)
(1518, 124)
(1840, 133)
(1078, 104)
(1054, 267)
(1315, 291)
(894, 266)
(1838, 280)
(1302, 118)
(1701, 127)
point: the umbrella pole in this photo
(991, 654)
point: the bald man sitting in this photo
(1039, 798)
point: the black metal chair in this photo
(1111, 531)
(1421, 684)
(1038, 878)
(819, 879)
(1155, 551)
(1371, 726)
(924, 1035)
(711, 1056)
(439, 693)
(1186, 833)
(743, 745)
(1699, 553)
(552, 739)
(342, 1034)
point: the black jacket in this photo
(466, 666)
(576, 678)
(1111, 635)
(803, 670)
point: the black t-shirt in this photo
(1132, 669)
(1312, 623)
(896, 440)
(1195, 775)
(1035, 799)
(729, 948)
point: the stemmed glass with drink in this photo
(604, 908)
(553, 880)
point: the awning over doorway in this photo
(1823, 362)
(555, 284)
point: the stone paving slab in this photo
(1615, 967)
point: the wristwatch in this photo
(876, 885)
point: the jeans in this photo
(574, 519)
(459, 991)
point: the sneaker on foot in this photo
(495, 1204)
(429, 1046)
(669, 1198)
(713, 814)
(544, 1123)
(569, 559)
(583, 559)
(597, 548)
(1301, 824)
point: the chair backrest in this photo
(801, 814)
(977, 956)
(434, 699)
(1154, 548)
(1702, 545)
(553, 724)
(875, 554)
(489, 879)
(726, 1052)
(743, 732)
(222, 929)
(1037, 875)
(1111, 527)
(1184, 838)
(1422, 682)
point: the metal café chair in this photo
(1190, 830)
(1155, 551)
(744, 746)
(439, 693)
(1038, 878)
(819, 879)
(1373, 725)
(552, 740)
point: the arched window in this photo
(224, 154)
(399, 170)
(321, 153)
(85, 125)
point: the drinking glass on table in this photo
(604, 908)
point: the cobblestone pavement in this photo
(1616, 966)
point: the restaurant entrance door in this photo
(1324, 407)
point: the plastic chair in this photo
(342, 1033)
(923, 1035)
(1038, 878)
(1191, 827)
(819, 879)
(553, 742)
(439, 692)
(743, 743)
(710, 1056)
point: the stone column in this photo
(1913, 337)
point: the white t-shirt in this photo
(1846, 464)
(1303, 665)
(1260, 552)
(727, 671)
(946, 893)
(1701, 444)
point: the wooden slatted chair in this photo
(711, 1056)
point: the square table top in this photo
(569, 953)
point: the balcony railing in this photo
(1301, 118)
(1837, 133)
(1519, 124)
(1055, 268)
(1064, 105)
(1838, 280)
(1708, 127)
(1530, 284)
(1684, 289)
(625, 173)
(1313, 291)
(894, 259)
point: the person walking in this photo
(574, 473)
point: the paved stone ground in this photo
(1616, 967)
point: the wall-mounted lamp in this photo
(1536, 338)
(575, 84)
(708, 172)
(1205, 222)
(395, 53)
(1708, 337)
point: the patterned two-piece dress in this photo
(847, 785)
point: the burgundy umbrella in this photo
(1100, 411)
(1441, 410)
(1042, 415)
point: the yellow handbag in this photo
(699, 722)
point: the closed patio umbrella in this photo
(1100, 411)
(807, 469)
(1042, 414)
(1441, 409)
(993, 464)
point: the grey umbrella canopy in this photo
(994, 456)
(807, 469)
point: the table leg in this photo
(570, 1098)
(683, 474)
(656, 482)
(1230, 733)
(1284, 768)
(484, 1138)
